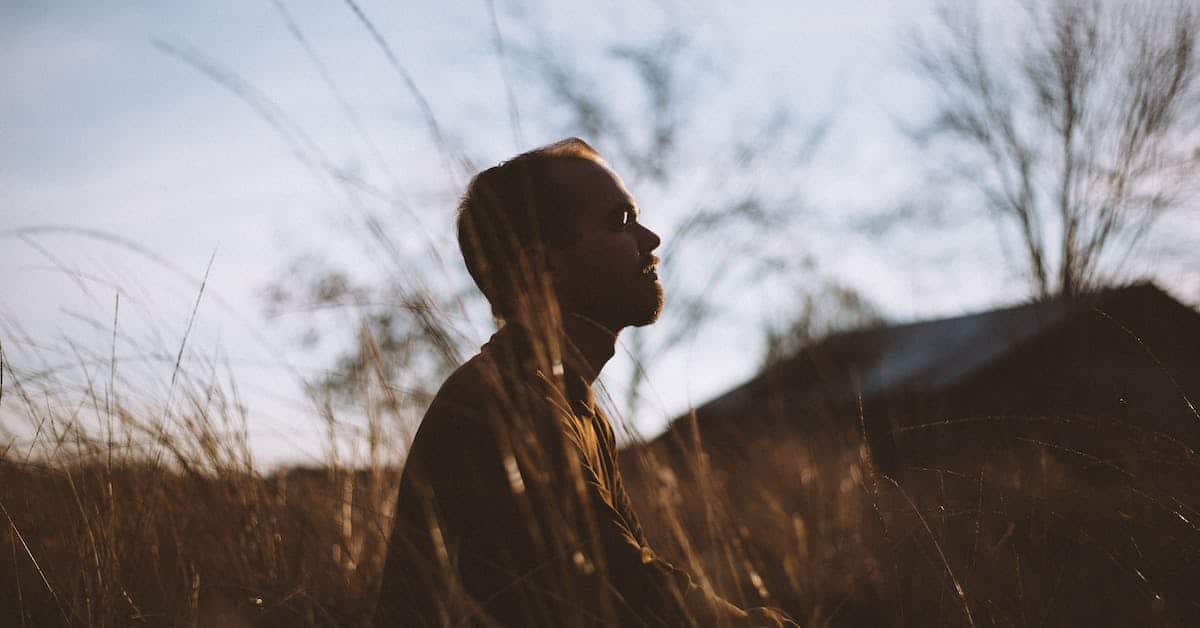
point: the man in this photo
(511, 509)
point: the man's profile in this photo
(511, 509)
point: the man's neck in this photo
(596, 342)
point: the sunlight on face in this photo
(608, 273)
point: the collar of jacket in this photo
(558, 363)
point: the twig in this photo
(435, 129)
(1179, 389)
(327, 77)
(36, 566)
(183, 343)
(958, 589)
(514, 114)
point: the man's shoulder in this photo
(490, 390)
(492, 378)
(474, 403)
(456, 415)
(467, 391)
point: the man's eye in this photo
(623, 218)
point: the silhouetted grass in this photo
(1034, 522)
(115, 516)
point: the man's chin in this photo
(648, 320)
(642, 309)
(651, 312)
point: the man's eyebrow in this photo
(628, 207)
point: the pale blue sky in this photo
(100, 130)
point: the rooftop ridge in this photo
(1044, 313)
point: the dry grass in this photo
(1033, 522)
(1053, 522)
(120, 512)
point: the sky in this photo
(124, 170)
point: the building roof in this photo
(921, 357)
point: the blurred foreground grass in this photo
(1046, 522)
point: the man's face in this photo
(608, 273)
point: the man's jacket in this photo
(511, 509)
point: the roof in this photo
(920, 357)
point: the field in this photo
(1048, 476)
(1044, 521)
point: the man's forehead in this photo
(593, 182)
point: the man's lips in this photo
(650, 268)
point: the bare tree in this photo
(824, 311)
(1076, 124)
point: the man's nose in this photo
(649, 239)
